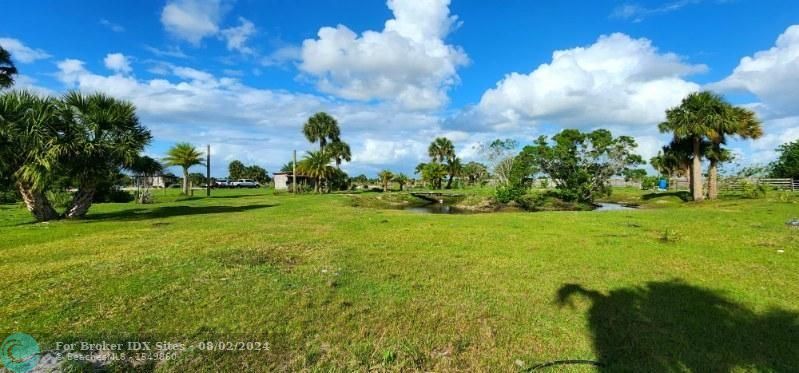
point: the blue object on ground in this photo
(663, 184)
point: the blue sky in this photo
(243, 75)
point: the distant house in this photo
(283, 180)
(155, 181)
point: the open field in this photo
(701, 287)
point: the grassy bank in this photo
(705, 287)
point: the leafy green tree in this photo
(197, 178)
(475, 172)
(787, 165)
(316, 165)
(322, 128)
(30, 147)
(501, 155)
(634, 174)
(7, 69)
(361, 179)
(256, 173)
(385, 178)
(581, 164)
(236, 170)
(103, 135)
(401, 179)
(184, 155)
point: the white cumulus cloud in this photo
(407, 63)
(118, 63)
(772, 75)
(236, 37)
(22, 53)
(618, 80)
(192, 20)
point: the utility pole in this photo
(294, 172)
(208, 171)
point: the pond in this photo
(607, 206)
(435, 208)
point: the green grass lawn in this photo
(684, 287)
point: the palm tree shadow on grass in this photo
(170, 211)
(673, 326)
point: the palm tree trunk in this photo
(696, 173)
(449, 182)
(712, 180)
(37, 203)
(186, 181)
(80, 203)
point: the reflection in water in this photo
(434, 208)
(605, 206)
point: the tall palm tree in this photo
(184, 155)
(316, 164)
(454, 168)
(104, 134)
(30, 147)
(697, 116)
(742, 123)
(385, 177)
(7, 69)
(401, 179)
(339, 151)
(441, 149)
(321, 127)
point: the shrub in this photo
(753, 190)
(649, 182)
(505, 194)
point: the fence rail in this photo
(740, 184)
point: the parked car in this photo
(245, 183)
(222, 183)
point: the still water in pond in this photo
(612, 207)
(434, 208)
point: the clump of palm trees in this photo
(701, 125)
(83, 138)
(443, 164)
(318, 165)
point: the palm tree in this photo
(184, 155)
(385, 177)
(7, 69)
(104, 134)
(454, 168)
(401, 179)
(321, 127)
(697, 116)
(30, 146)
(441, 150)
(339, 151)
(433, 173)
(316, 165)
(741, 122)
